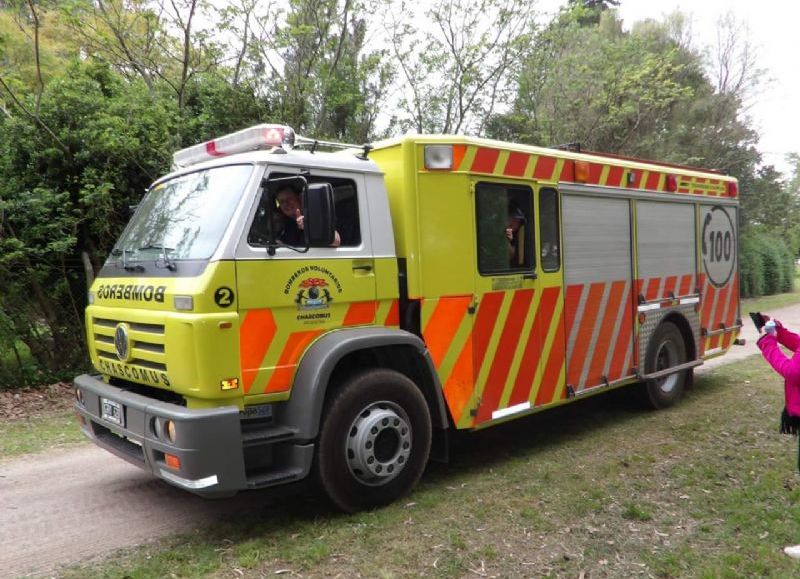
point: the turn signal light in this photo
(172, 461)
(229, 384)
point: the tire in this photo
(665, 350)
(374, 440)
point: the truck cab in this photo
(202, 312)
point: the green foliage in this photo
(766, 265)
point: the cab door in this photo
(289, 299)
(517, 335)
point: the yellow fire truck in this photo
(274, 312)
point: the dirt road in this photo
(81, 503)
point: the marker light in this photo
(733, 189)
(90, 298)
(229, 384)
(439, 157)
(185, 303)
(581, 171)
(250, 139)
(672, 183)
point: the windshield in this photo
(185, 217)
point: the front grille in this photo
(147, 343)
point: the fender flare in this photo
(303, 410)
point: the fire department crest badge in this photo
(313, 293)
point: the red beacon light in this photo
(250, 139)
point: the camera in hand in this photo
(758, 320)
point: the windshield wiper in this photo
(168, 263)
(125, 265)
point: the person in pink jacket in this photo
(789, 368)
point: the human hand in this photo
(770, 328)
(299, 219)
(509, 234)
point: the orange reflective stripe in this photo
(255, 336)
(458, 155)
(504, 355)
(445, 320)
(360, 313)
(296, 344)
(393, 317)
(459, 385)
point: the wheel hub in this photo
(666, 357)
(379, 443)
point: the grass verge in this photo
(37, 419)
(39, 434)
(705, 489)
(774, 302)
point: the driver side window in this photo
(281, 215)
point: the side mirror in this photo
(320, 215)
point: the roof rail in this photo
(312, 144)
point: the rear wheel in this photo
(666, 350)
(374, 440)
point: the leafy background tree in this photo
(95, 95)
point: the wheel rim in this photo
(378, 444)
(667, 357)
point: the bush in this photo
(766, 265)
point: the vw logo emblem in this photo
(121, 342)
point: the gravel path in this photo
(77, 504)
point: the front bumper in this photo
(209, 444)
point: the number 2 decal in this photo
(223, 297)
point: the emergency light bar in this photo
(250, 139)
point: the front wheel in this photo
(665, 350)
(374, 440)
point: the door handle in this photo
(365, 267)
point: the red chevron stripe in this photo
(612, 314)
(485, 160)
(516, 164)
(484, 326)
(534, 346)
(623, 345)
(544, 168)
(578, 356)
(686, 285)
(506, 348)
(552, 371)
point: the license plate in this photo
(112, 411)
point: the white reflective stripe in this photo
(712, 352)
(511, 410)
(200, 483)
(693, 300)
(648, 307)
